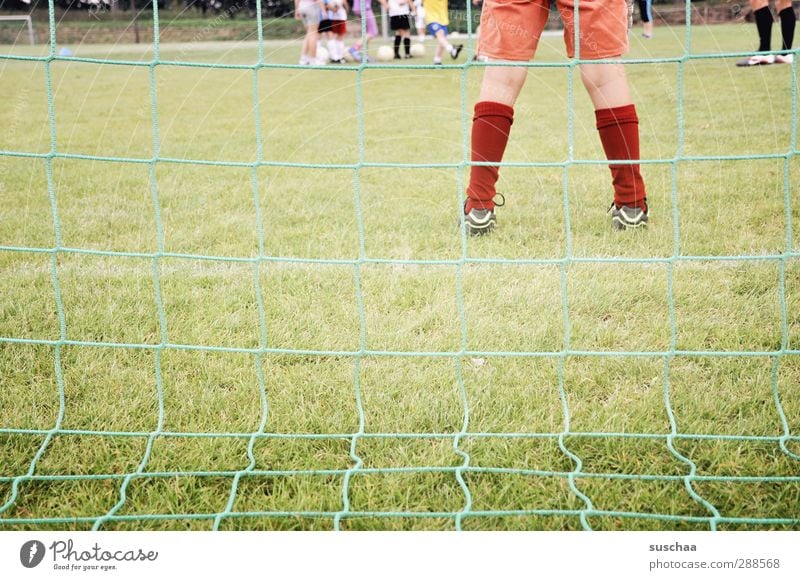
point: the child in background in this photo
(310, 12)
(646, 15)
(436, 15)
(371, 27)
(324, 33)
(337, 15)
(763, 18)
(400, 23)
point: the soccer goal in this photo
(28, 21)
(238, 293)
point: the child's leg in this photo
(311, 41)
(406, 34)
(397, 44)
(763, 18)
(647, 18)
(339, 40)
(333, 46)
(441, 38)
(788, 22)
(618, 126)
(607, 85)
(444, 44)
(441, 45)
(494, 114)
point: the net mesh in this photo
(709, 515)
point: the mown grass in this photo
(318, 352)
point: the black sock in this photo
(397, 45)
(788, 20)
(764, 25)
(407, 45)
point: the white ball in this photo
(323, 54)
(418, 49)
(348, 56)
(385, 53)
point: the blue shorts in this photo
(435, 27)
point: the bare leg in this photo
(502, 84)
(607, 85)
(441, 45)
(310, 42)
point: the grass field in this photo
(308, 348)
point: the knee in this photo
(597, 76)
(503, 85)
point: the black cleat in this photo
(481, 221)
(627, 218)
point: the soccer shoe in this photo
(757, 60)
(481, 221)
(456, 50)
(627, 218)
(784, 58)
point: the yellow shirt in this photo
(436, 11)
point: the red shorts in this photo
(338, 27)
(510, 29)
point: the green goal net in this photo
(267, 317)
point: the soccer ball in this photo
(323, 54)
(385, 53)
(348, 56)
(418, 49)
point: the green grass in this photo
(277, 343)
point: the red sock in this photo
(490, 128)
(619, 133)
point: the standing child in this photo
(371, 27)
(646, 15)
(400, 23)
(438, 20)
(763, 18)
(603, 34)
(337, 15)
(324, 31)
(310, 12)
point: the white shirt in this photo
(336, 10)
(399, 7)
